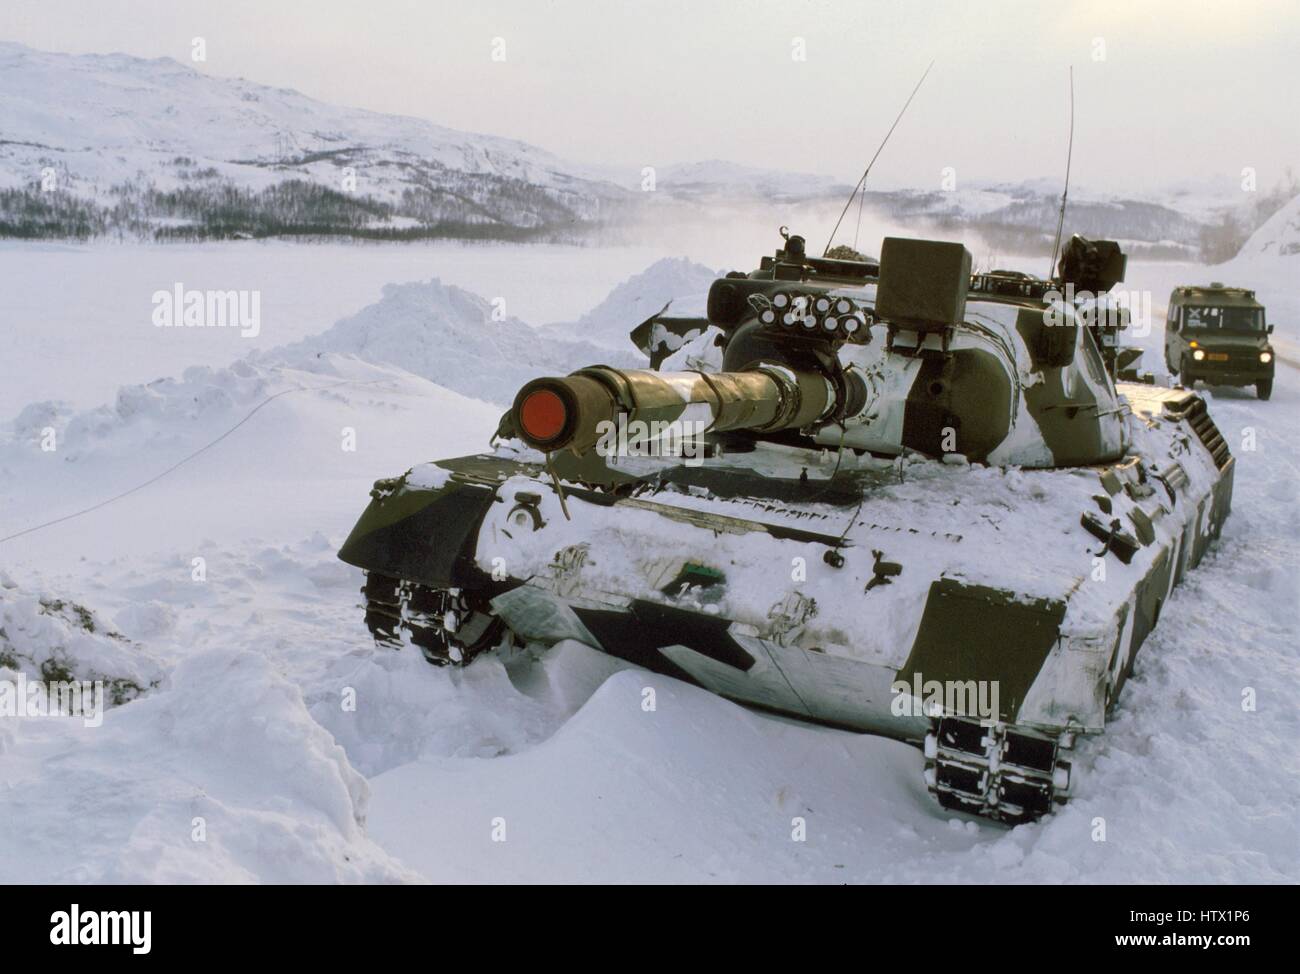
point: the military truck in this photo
(1218, 334)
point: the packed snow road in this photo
(262, 737)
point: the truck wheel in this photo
(1264, 388)
(1185, 378)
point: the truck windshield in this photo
(1223, 319)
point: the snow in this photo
(119, 131)
(676, 286)
(449, 336)
(1279, 236)
(46, 638)
(227, 748)
(643, 801)
(104, 300)
(102, 120)
(721, 179)
(313, 756)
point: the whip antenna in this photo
(1065, 190)
(863, 181)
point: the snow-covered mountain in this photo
(1021, 217)
(1279, 236)
(119, 142)
(112, 144)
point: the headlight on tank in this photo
(1198, 355)
(1266, 357)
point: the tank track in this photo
(450, 626)
(1007, 773)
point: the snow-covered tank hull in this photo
(988, 613)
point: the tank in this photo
(892, 497)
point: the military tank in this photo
(889, 496)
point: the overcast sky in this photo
(1186, 90)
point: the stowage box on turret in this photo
(892, 498)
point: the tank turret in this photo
(1020, 383)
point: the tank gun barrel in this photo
(572, 412)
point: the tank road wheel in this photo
(383, 608)
(450, 626)
(1007, 773)
(1264, 388)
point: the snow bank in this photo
(152, 415)
(694, 790)
(51, 639)
(407, 709)
(221, 777)
(441, 333)
(675, 281)
(449, 336)
(1278, 237)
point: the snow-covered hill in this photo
(1279, 236)
(111, 144)
(1021, 217)
(162, 144)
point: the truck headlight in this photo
(1198, 355)
(1266, 357)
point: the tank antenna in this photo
(1065, 190)
(863, 181)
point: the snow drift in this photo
(223, 777)
(675, 283)
(1279, 236)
